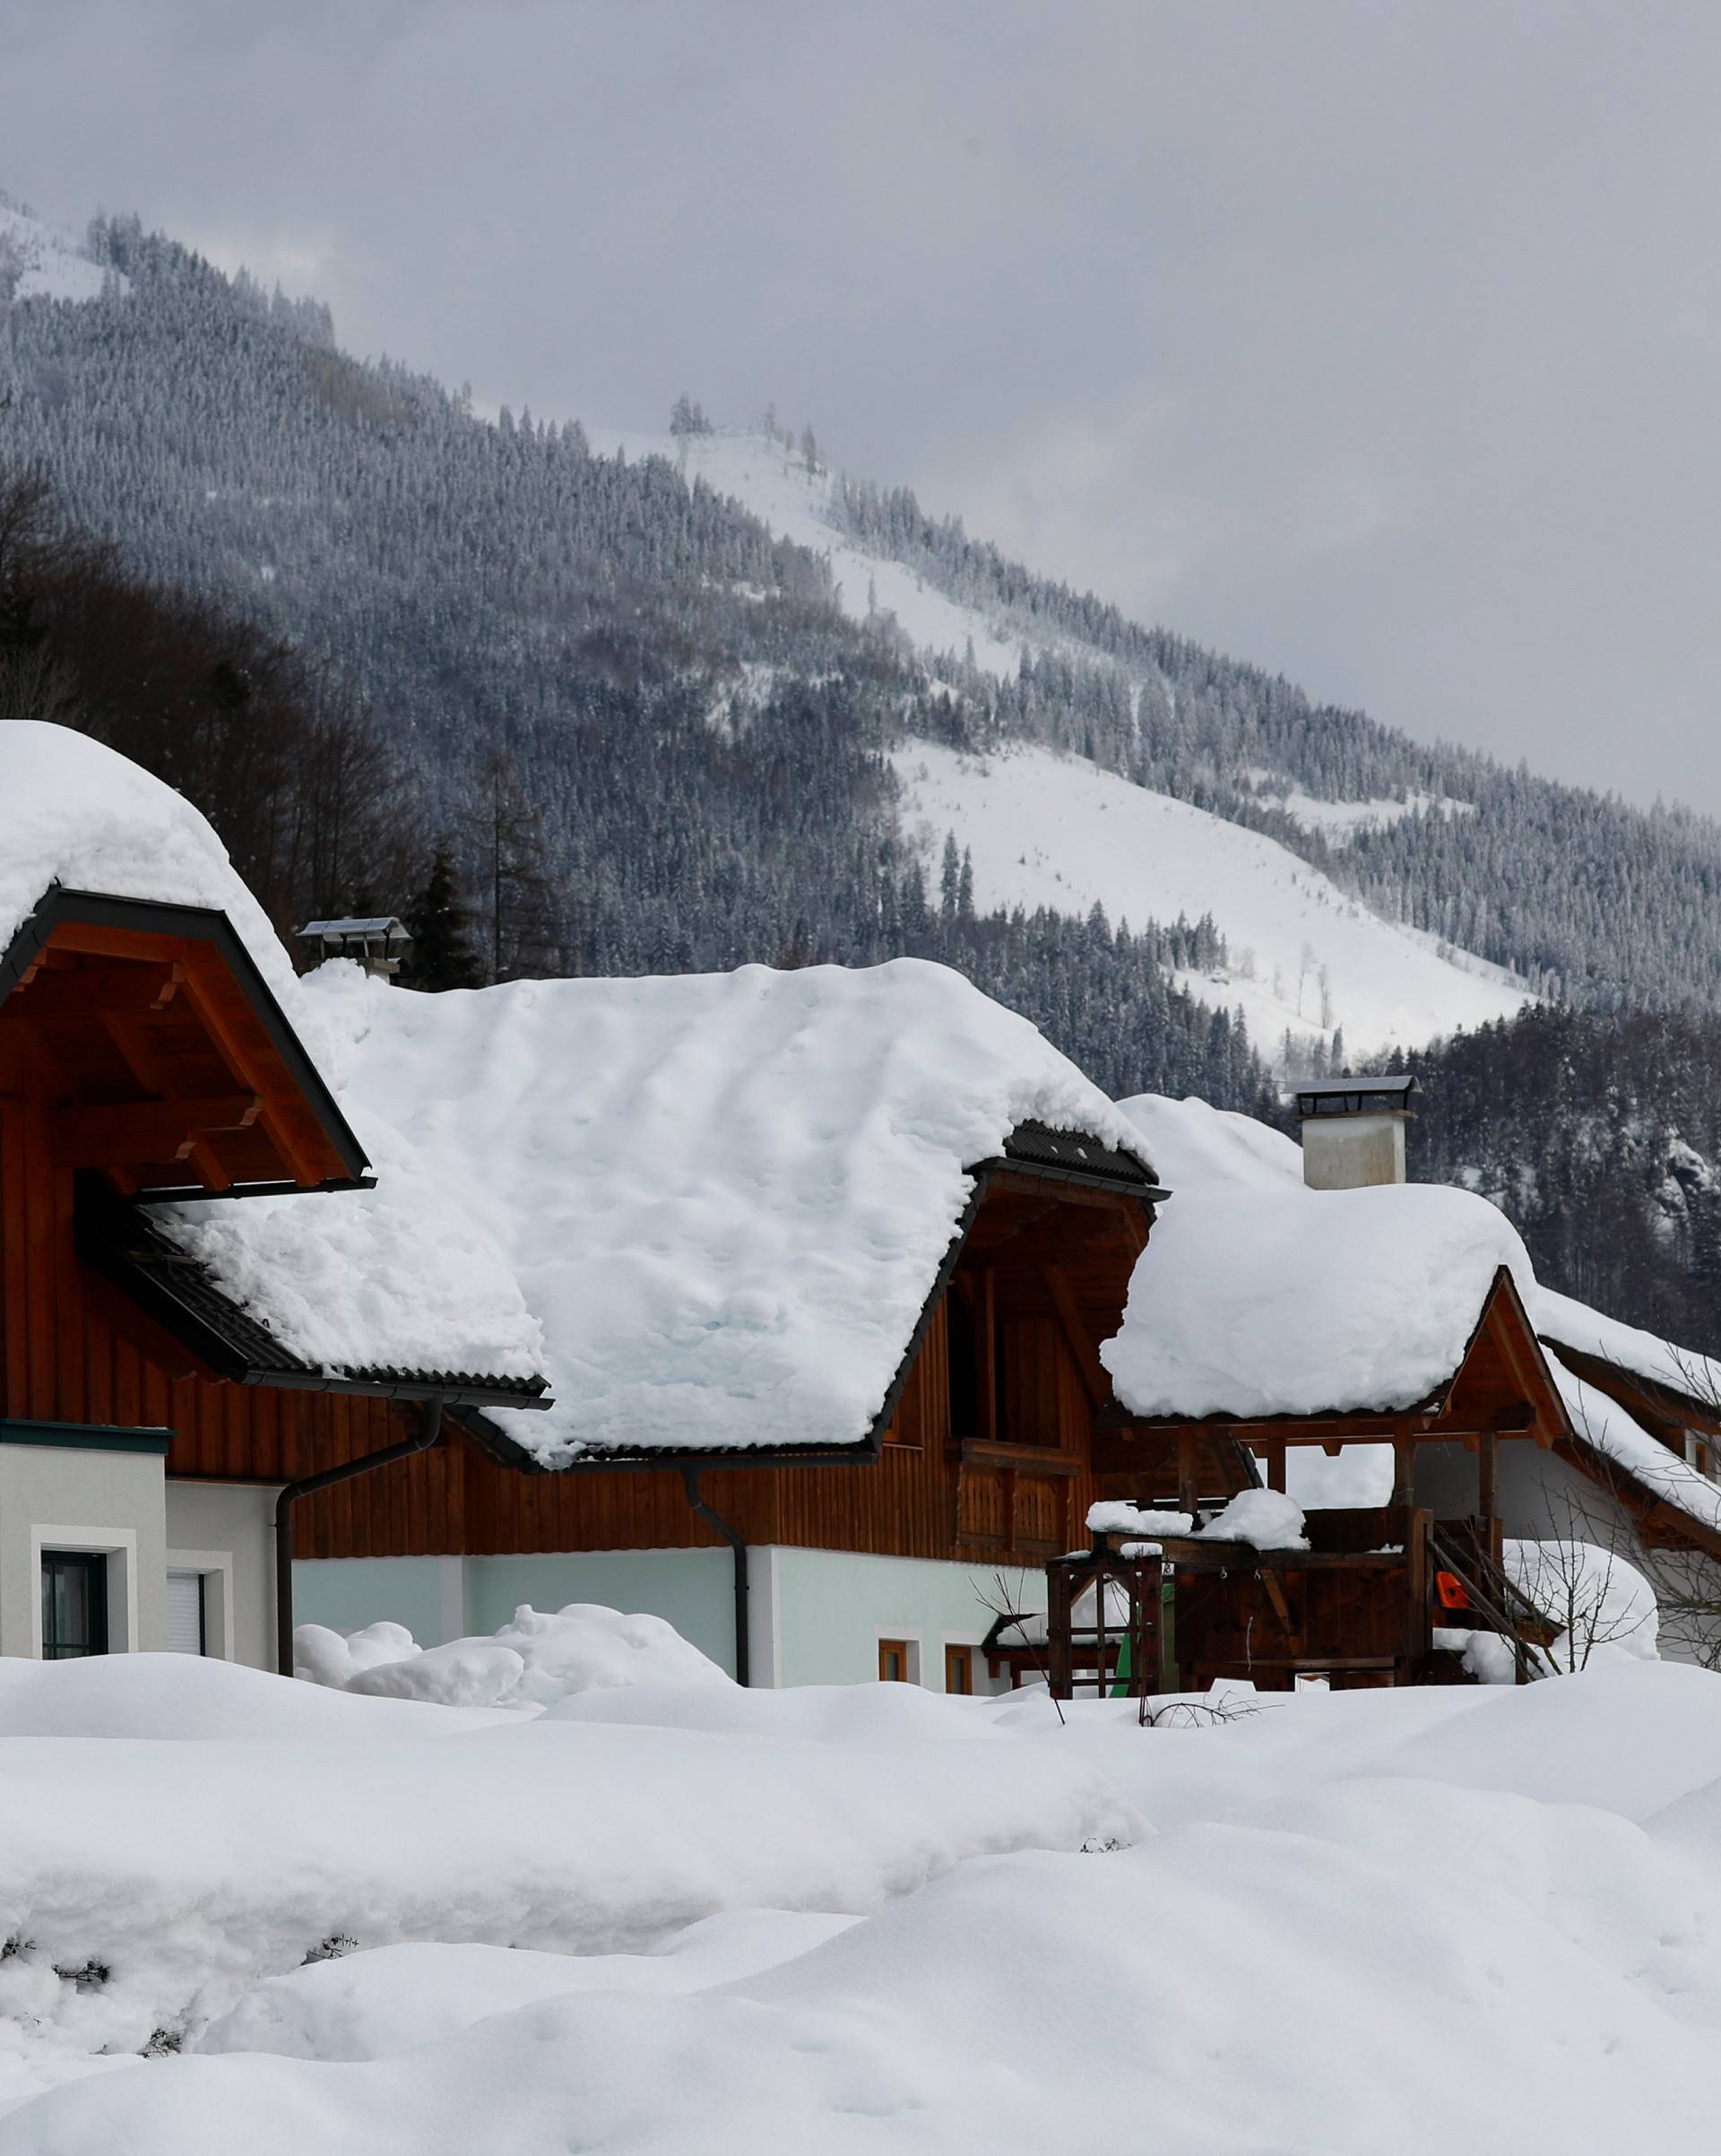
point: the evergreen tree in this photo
(440, 924)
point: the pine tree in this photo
(440, 924)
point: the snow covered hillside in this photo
(682, 1918)
(1058, 831)
(776, 485)
(41, 262)
(1063, 832)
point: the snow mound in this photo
(181, 1699)
(1527, 1881)
(1267, 1519)
(400, 1998)
(151, 1883)
(1251, 1302)
(534, 1660)
(1604, 1607)
(832, 1714)
(725, 1197)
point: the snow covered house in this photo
(1386, 1350)
(164, 1379)
(823, 1260)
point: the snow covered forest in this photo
(492, 660)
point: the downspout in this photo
(737, 1542)
(430, 1431)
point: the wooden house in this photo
(824, 1261)
(148, 1058)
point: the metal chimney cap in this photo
(1328, 1098)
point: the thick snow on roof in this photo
(83, 814)
(1258, 1296)
(1603, 1423)
(400, 1277)
(726, 1197)
(393, 1277)
(1586, 1332)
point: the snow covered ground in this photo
(50, 265)
(698, 1919)
(1058, 831)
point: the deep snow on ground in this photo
(1478, 1919)
(1058, 831)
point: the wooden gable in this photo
(140, 1042)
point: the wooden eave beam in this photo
(94, 991)
(124, 1134)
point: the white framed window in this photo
(899, 1658)
(963, 1664)
(117, 1546)
(199, 1602)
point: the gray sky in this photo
(1379, 343)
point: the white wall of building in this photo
(74, 1496)
(814, 1616)
(225, 1531)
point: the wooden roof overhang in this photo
(1661, 1408)
(1662, 1412)
(1048, 1171)
(1503, 1387)
(167, 1061)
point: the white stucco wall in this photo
(815, 1616)
(66, 1496)
(225, 1531)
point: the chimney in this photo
(1353, 1131)
(378, 941)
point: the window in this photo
(74, 1603)
(959, 1669)
(893, 1662)
(188, 1615)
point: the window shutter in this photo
(186, 1612)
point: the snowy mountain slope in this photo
(1059, 832)
(47, 265)
(774, 483)
(1062, 833)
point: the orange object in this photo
(1451, 1591)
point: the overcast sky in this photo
(1378, 344)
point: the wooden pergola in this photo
(1361, 1605)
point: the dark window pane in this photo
(74, 1603)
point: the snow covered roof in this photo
(1258, 1296)
(1604, 1425)
(1573, 1326)
(391, 1278)
(83, 816)
(727, 1198)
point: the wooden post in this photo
(1188, 1471)
(1274, 1465)
(1418, 1619)
(986, 1356)
(1059, 1596)
(1487, 1495)
(1404, 1467)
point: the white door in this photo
(186, 1612)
